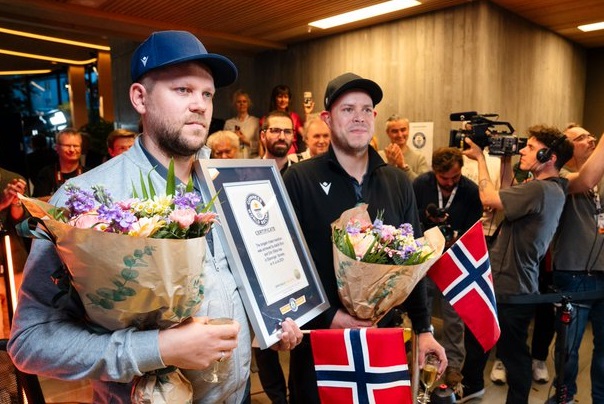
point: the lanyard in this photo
(440, 198)
(596, 197)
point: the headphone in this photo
(545, 154)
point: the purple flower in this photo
(406, 229)
(121, 220)
(184, 200)
(78, 201)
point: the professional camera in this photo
(439, 213)
(485, 132)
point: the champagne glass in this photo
(219, 313)
(428, 376)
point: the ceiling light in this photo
(364, 13)
(36, 85)
(49, 58)
(54, 39)
(23, 72)
(592, 27)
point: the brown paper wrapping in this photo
(128, 281)
(368, 291)
(170, 387)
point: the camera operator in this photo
(447, 199)
(531, 213)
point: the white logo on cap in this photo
(144, 60)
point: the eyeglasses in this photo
(69, 146)
(278, 131)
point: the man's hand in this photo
(394, 155)
(9, 194)
(428, 344)
(194, 344)
(345, 320)
(291, 336)
(474, 152)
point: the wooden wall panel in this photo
(472, 57)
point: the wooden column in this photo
(77, 96)
(106, 108)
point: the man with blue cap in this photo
(174, 81)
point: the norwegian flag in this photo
(366, 365)
(463, 274)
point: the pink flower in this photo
(126, 204)
(88, 221)
(184, 217)
(361, 243)
(206, 217)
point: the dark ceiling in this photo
(232, 25)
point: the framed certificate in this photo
(264, 245)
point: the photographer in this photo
(447, 199)
(531, 212)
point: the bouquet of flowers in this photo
(134, 263)
(378, 265)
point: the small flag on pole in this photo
(463, 274)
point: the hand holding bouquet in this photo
(134, 263)
(378, 265)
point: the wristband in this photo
(429, 329)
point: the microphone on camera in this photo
(462, 116)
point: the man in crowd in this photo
(224, 145)
(277, 134)
(316, 136)
(531, 211)
(69, 150)
(579, 263)
(174, 80)
(397, 153)
(447, 199)
(323, 187)
(119, 141)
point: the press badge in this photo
(600, 219)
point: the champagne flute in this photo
(428, 376)
(219, 313)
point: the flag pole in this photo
(414, 365)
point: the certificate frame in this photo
(260, 233)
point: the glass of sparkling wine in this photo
(428, 376)
(219, 313)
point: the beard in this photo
(170, 137)
(279, 148)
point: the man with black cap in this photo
(322, 188)
(174, 80)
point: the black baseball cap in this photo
(351, 81)
(166, 48)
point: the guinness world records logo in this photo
(255, 208)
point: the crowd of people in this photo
(557, 208)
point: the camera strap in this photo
(440, 197)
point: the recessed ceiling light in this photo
(48, 58)
(592, 27)
(54, 39)
(364, 13)
(23, 72)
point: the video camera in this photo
(497, 135)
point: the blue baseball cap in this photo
(167, 48)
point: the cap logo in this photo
(144, 60)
